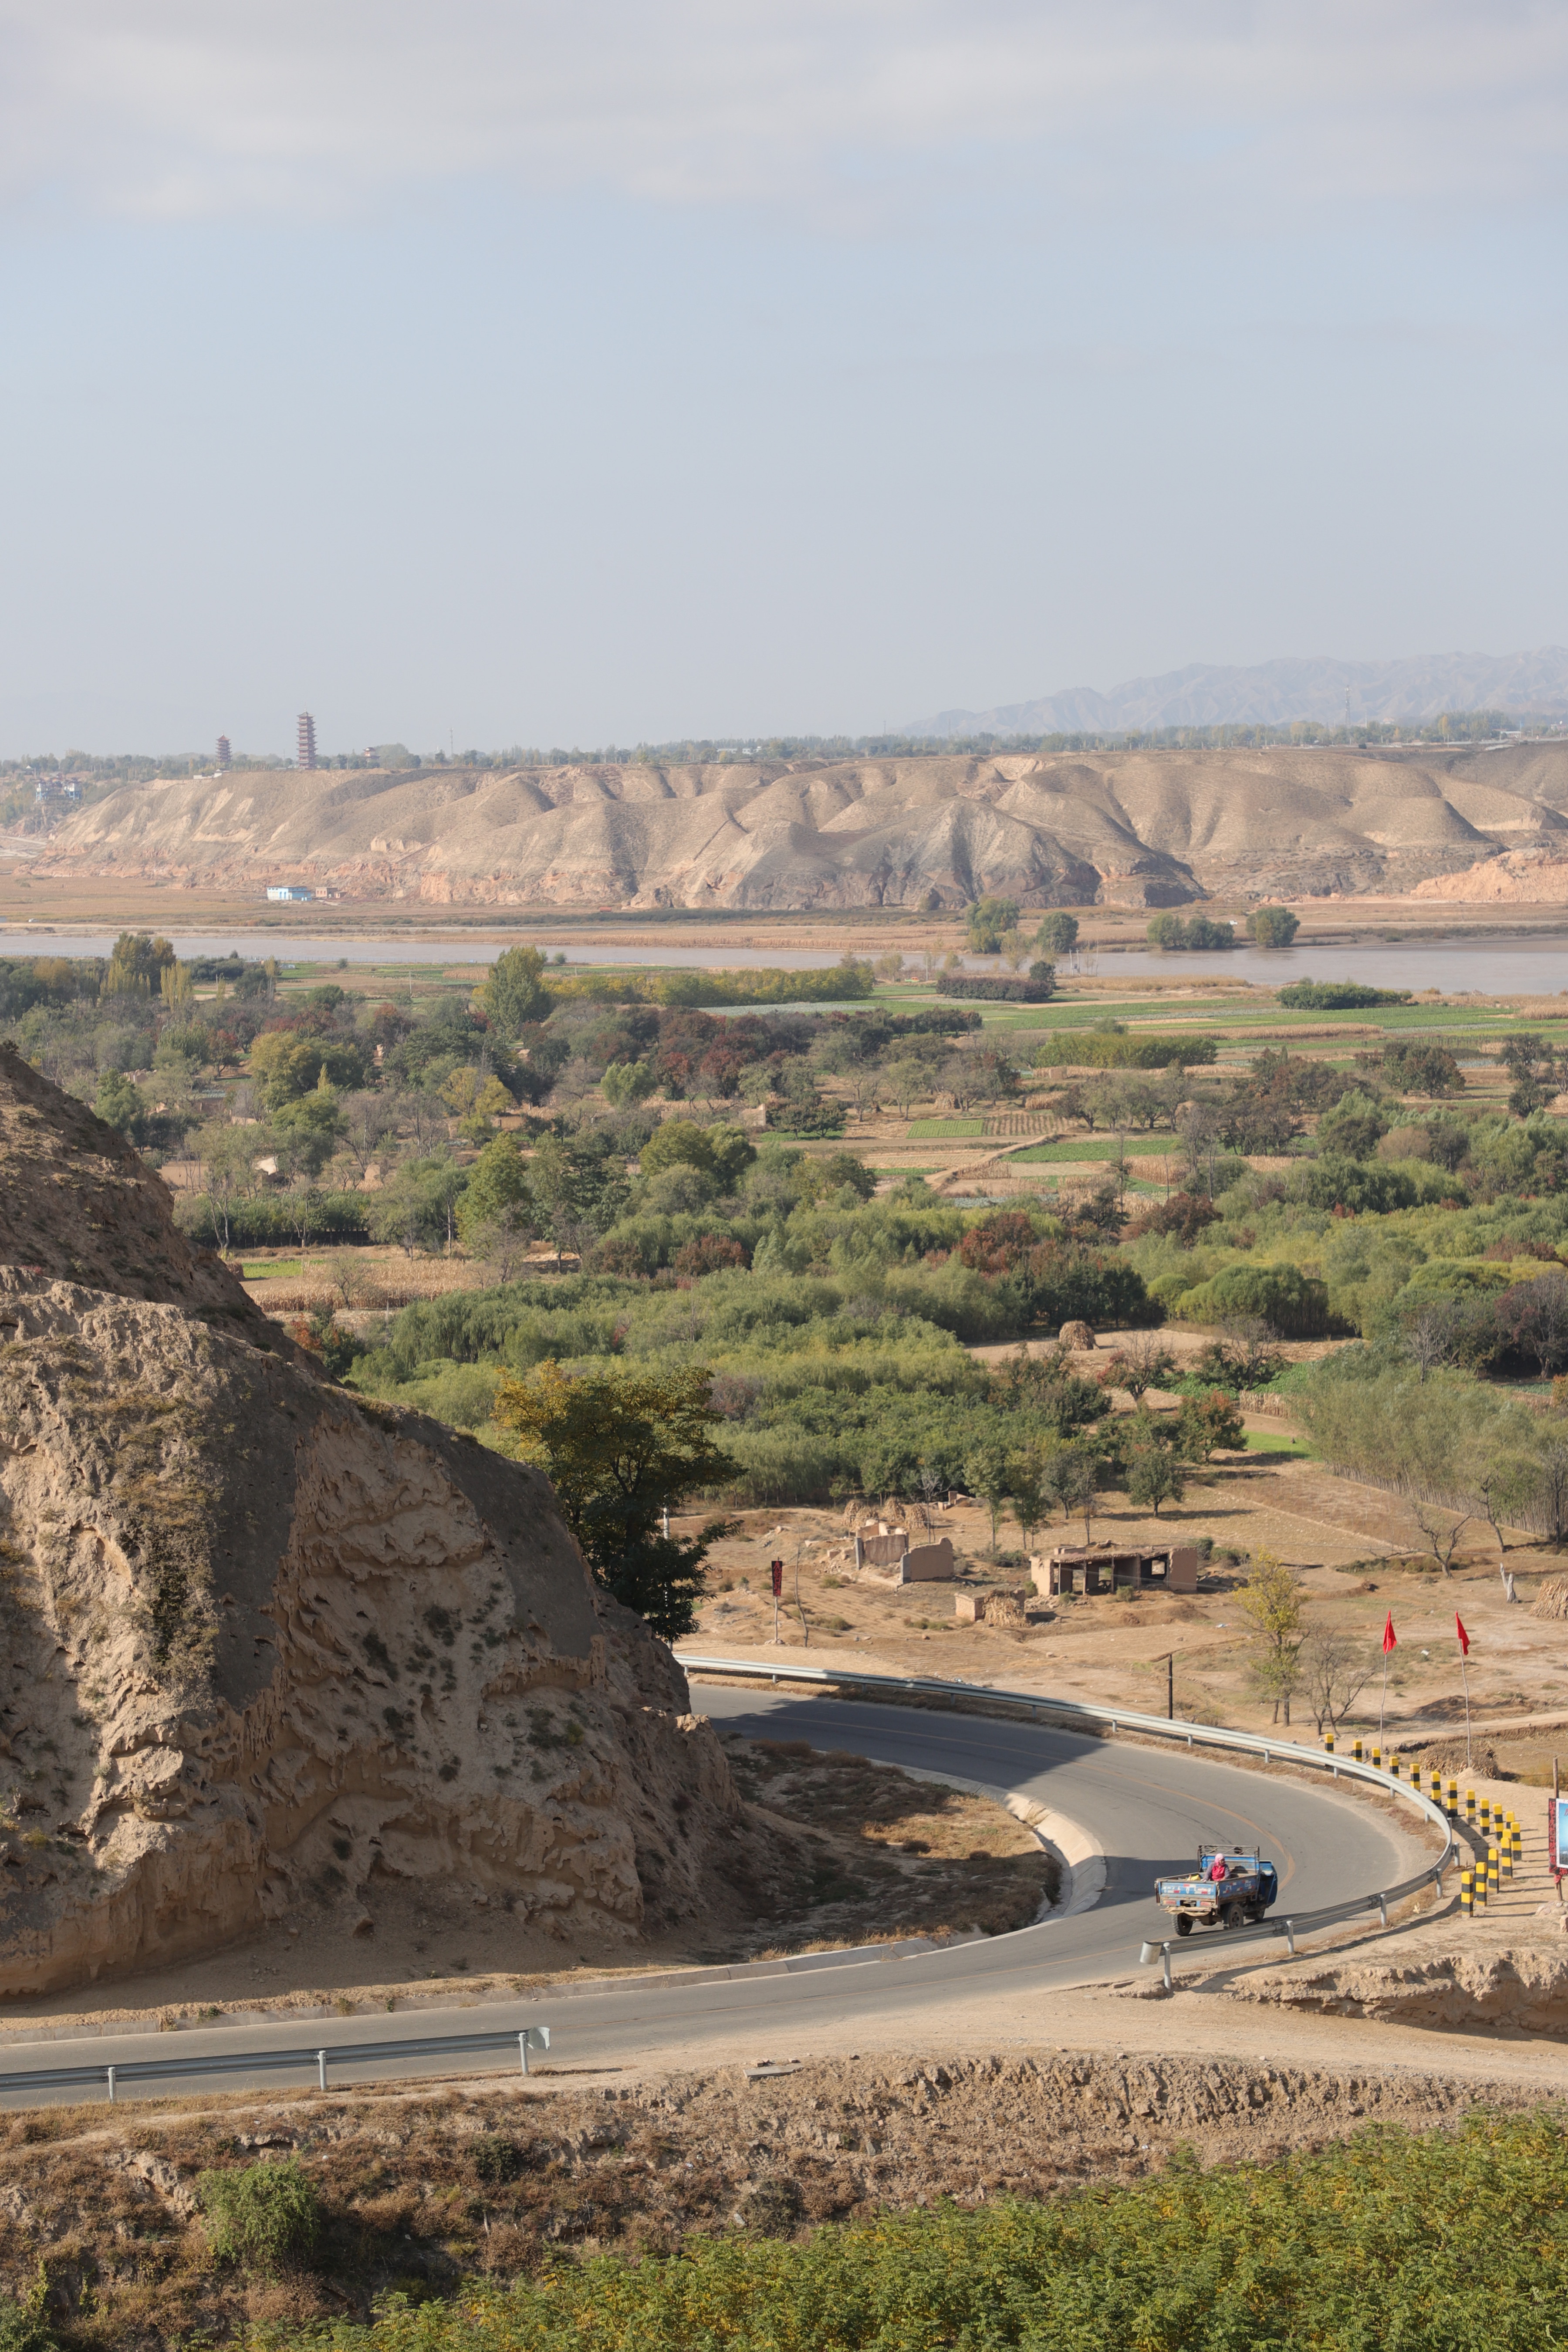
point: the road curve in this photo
(1149, 1807)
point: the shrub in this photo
(1039, 988)
(262, 2216)
(710, 1254)
(23, 2330)
(1337, 996)
(1291, 1302)
(496, 2159)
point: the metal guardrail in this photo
(1160, 1727)
(119, 2077)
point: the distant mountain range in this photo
(1275, 693)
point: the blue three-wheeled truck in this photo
(1228, 1889)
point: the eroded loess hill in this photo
(266, 1649)
(1128, 828)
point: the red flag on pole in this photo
(1464, 1637)
(1390, 1638)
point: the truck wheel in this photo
(1232, 1915)
(1184, 1923)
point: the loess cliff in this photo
(1134, 828)
(266, 1648)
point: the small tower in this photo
(224, 754)
(307, 741)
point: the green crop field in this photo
(1082, 1147)
(946, 1130)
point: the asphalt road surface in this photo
(1150, 1808)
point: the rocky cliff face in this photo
(264, 1646)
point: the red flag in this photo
(1464, 1637)
(1390, 1638)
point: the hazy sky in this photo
(616, 369)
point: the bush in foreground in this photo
(266, 2217)
(1389, 2243)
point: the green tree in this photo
(515, 995)
(988, 1473)
(177, 986)
(724, 1153)
(1072, 1476)
(1153, 1477)
(1028, 1489)
(625, 1083)
(497, 1188)
(305, 1130)
(1058, 934)
(620, 1449)
(1272, 926)
(116, 1101)
(988, 920)
(284, 1065)
(905, 1081)
(1272, 1601)
(137, 962)
(1208, 1425)
(1354, 1128)
(418, 1207)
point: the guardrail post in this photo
(112, 2087)
(1165, 1965)
(1291, 1938)
(522, 2047)
(322, 2068)
(1383, 1908)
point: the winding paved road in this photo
(1148, 1807)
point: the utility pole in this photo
(776, 1567)
(1169, 1686)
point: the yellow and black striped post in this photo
(1453, 1800)
(1393, 1768)
(1505, 1853)
(1436, 1787)
(1494, 1878)
(1356, 1749)
(1328, 1743)
(1466, 1894)
(1471, 1807)
(1485, 1817)
(1480, 1886)
(1377, 1758)
(1518, 1847)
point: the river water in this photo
(1538, 967)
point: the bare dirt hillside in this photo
(268, 1650)
(1134, 828)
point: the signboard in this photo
(1557, 1835)
(777, 1567)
